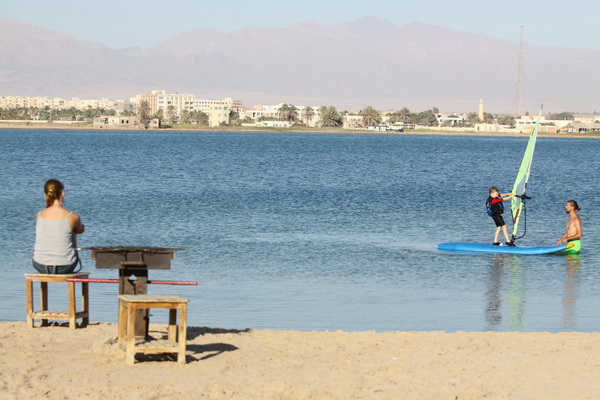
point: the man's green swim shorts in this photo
(574, 246)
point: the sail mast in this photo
(520, 186)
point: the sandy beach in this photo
(58, 363)
(442, 132)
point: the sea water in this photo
(313, 231)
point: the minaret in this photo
(481, 109)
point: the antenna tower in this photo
(520, 95)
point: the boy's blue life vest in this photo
(488, 206)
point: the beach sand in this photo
(58, 363)
(428, 132)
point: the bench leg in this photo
(182, 333)
(72, 305)
(130, 353)
(122, 337)
(44, 300)
(172, 325)
(29, 301)
(85, 303)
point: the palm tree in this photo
(309, 113)
(488, 118)
(330, 116)
(160, 114)
(404, 114)
(292, 113)
(473, 118)
(370, 116)
(144, 113)
(427, 118)
(170, 114)
(284, 112)
(185, 116)
(200, 117)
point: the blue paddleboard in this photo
(490, 248)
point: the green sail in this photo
(520, 186)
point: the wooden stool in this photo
(128, 347)
(44, 314)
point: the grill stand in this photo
(133, 264)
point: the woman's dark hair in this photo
(52, 189)
(574, 204)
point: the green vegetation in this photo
(565, 116)
(144, 113)
(330, 117)
(370, 116)
(50, 115)
(288, 113)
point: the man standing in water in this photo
(573, 233)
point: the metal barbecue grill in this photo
(133, 264)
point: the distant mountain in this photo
(350, 65)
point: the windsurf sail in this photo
(520, 186)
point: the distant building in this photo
(526, 122)
(161, 100)
(587, 118)
(580, 127)
(217, 110)
(449, 120)
(261, 110)
(273, 124)
(116, 122)
(312, 121)
(55, 103)
(218, 114)
(352, 122)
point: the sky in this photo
(144, 23)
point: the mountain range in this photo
(369, 61)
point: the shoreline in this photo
(56, 362)
(52, 127)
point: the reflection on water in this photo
(507, 290)
(516, 294)
(493, 315)
(506, 267)
(573, 265)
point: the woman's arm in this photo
(76, 225)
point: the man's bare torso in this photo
(573, 224)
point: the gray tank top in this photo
(54, 242)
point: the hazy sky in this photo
(126, 23)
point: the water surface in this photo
(313, 231)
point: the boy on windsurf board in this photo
(495, 208)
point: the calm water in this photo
(311, 231)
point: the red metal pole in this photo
(117, 281)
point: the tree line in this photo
(50, 114)
(326, 116)
(329, 116)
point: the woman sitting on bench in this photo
(55, 233)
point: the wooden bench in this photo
(72, 315)
(129, 345)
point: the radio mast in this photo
(520, 90)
